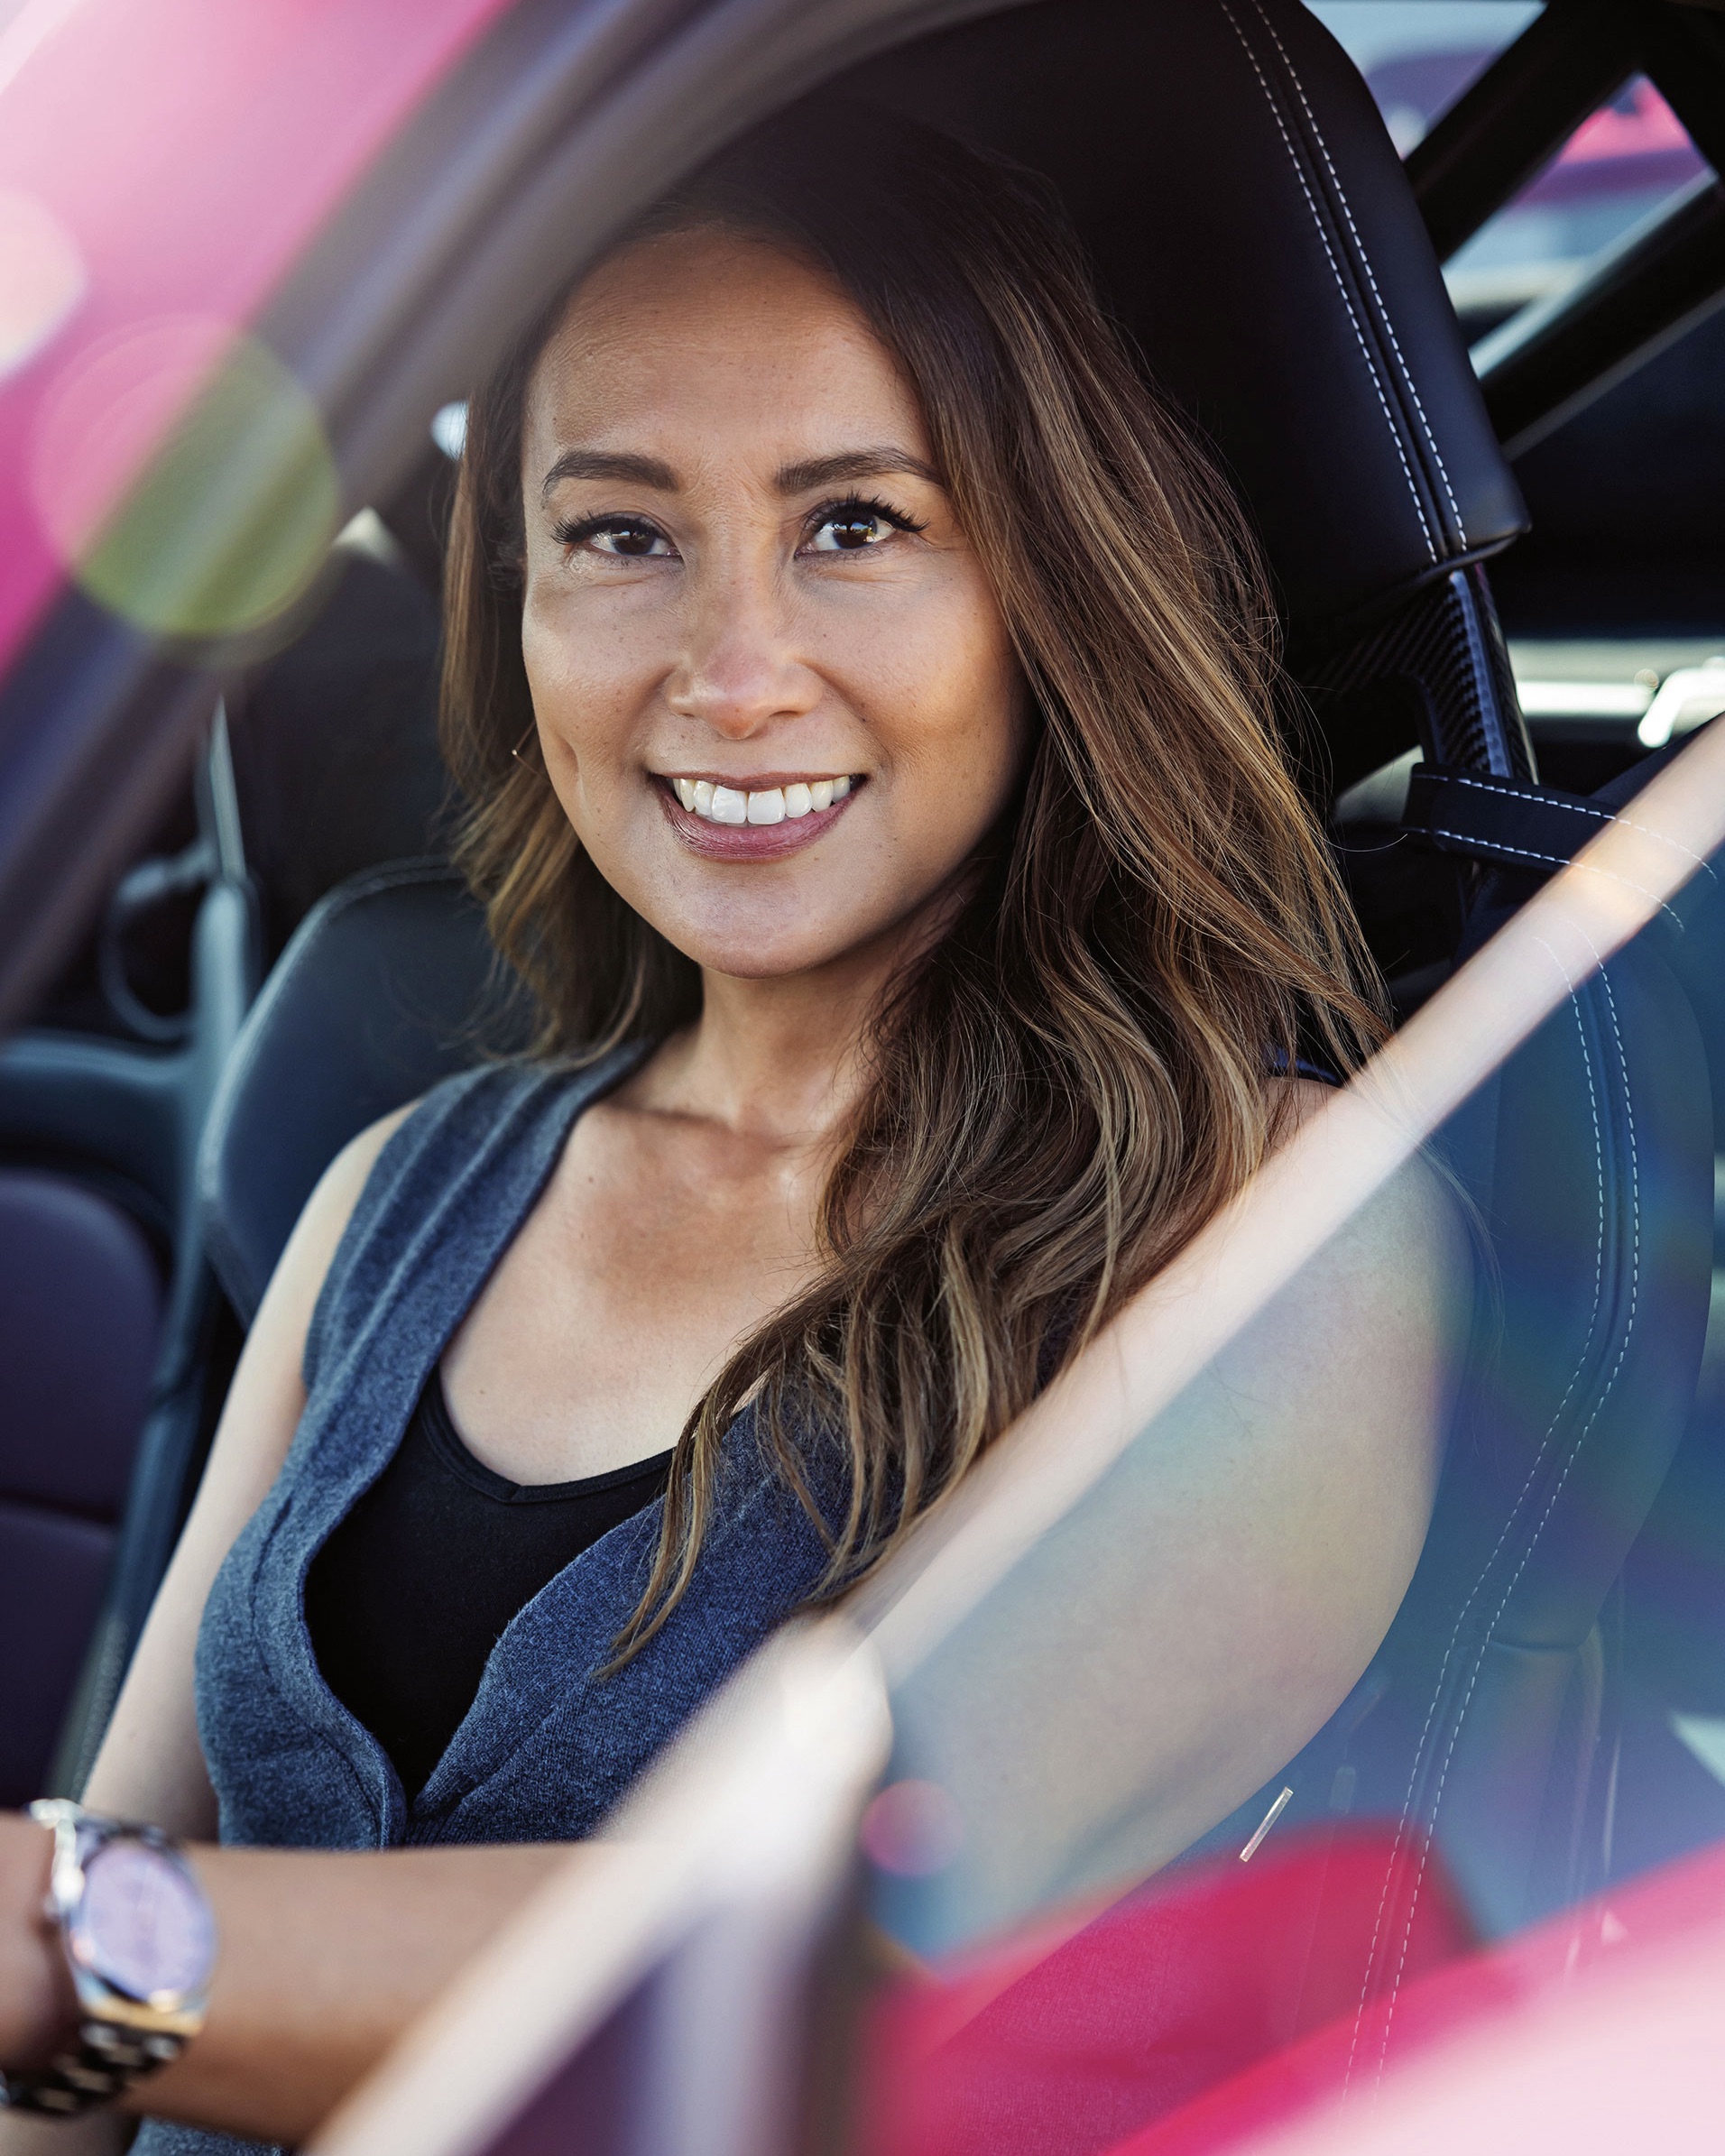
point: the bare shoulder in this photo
(330, 1206)
(1411, 1236)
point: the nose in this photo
(739, 670)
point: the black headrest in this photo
(334, 742)
(379, 995)
(1252, 229)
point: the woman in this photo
(863, 696)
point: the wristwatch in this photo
(139, 1942)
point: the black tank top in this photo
(409, 1596)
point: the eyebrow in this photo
(798, 478)
(605, 464)
(852, 464)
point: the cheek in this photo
(566, 661)
(557, 663)
(584, 679)
(959, 708)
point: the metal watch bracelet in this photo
(140, 1969)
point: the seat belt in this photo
(1505, 820)
(1513, 823)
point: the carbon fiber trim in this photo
(1449, 643)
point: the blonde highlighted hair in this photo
(1078, 1076)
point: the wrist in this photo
(130, 1929)
(38, 2003)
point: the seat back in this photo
(387, 986)
(334, 742)
(80, 1320)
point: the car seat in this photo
(79, 1322)
(1255, 234)
(106, 1319)
(389, 985)
(335, 763)
(329, 766)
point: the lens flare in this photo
(42, 277)
(913, 1829)
(184, 477)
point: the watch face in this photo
(142, 1927)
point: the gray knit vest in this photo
(549, 1746)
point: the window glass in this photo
(1623, 164)
(1419, 55)
(1540, 1724)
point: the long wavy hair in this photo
(1077, 1077)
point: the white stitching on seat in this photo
(1518, 793)
(1575, 1454)
(1365, 264)
(1555, 861)
(1580, 808)
(1503, 1537)
(1335, 271)
(1495, 845)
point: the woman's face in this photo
(774, 691)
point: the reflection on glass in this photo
(185, 479)
(1156, 1921)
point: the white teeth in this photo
(770, 804)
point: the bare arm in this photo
(322, 1960)
(1198, 1617)
(150, 1765)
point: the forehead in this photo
(708, 336)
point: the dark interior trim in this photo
(1518, 115)
(1550, 361)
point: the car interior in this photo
(1445, 500)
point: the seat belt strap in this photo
(1532, 827)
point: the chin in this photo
(759, 958)
(761, 943)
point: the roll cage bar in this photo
(1548, 362)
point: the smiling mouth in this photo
(754, 824)
(730, 805)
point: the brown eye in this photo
(630, 540)
(849, 530)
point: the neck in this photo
(781, 1059)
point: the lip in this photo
(750, 841)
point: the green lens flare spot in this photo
(232, 514)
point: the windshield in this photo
(1065, 1940)
(1318, 1684)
